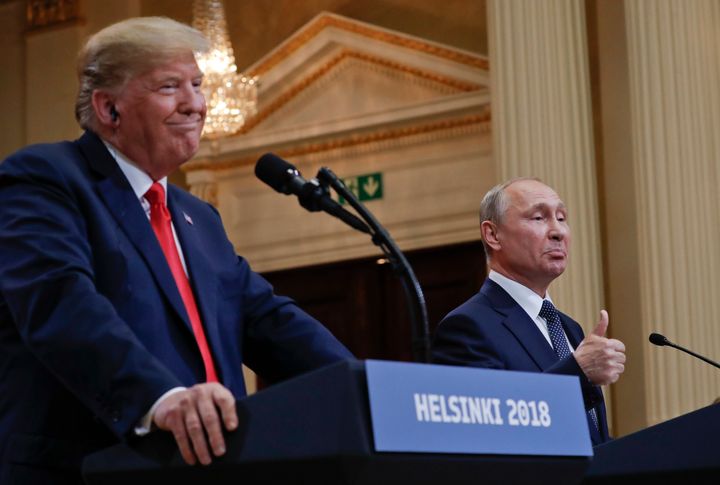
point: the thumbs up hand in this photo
(601, 328)
(600, 358)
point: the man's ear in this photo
(104, 106)
(489, 232)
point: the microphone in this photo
(661, 340)
(279, 174)
(658, 339)
(312, 195)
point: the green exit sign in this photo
(365, 187)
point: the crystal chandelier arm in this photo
(231, 96)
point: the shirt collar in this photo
(139, 180)
(524, 296)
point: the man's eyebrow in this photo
(545, 205)
(165, 77)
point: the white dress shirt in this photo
(528, 301)
(141, 183)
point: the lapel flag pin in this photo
(188, 219)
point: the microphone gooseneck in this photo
(401, 267)
(314, 195)
(661, 340)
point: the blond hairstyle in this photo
(123, 50)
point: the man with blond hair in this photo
(123, 306)
(512, 323)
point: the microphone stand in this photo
(688, 351)
(661, 340)
(401, 267)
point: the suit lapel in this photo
(203, 282)
(121, 202)
(530, 337)
(520, 324)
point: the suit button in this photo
(115, 415)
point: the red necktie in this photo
(161, 224)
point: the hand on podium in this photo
(192, 413)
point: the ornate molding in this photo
(454, 84)
(326, 20)
(207, 191)
(43, 14)
(482, 120)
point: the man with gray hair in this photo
(123, 306)
(512, 323)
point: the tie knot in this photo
(156, 194)
(548, 310)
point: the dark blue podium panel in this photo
(683, 450)
(317, 429)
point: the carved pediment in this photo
(352, 84)
(360, 99)
(337, 75)
(338, 68)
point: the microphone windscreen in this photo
(275, 172)
(658, 339)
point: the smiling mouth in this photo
(186, 125)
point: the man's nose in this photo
(558, 230)
(193, 100)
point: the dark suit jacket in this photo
(491, 330)
(92, 326)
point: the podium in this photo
(681, 450)
(317, 429)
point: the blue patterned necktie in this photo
(559, 342)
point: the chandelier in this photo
(231, 96)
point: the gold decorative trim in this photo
(287, 96)
(326, 20)
(431, 76)
(43, 14)
(353, 140)
(206, 191)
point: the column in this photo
(674, 74)
(542, 127)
